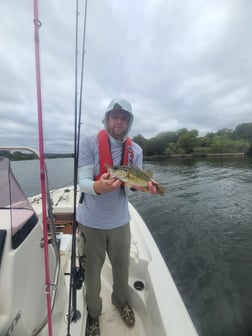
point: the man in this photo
(103, 213)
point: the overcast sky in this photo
(181, 64)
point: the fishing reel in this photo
(80, 276)
(80, 272)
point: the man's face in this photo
(118, 122)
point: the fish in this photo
(134, 176)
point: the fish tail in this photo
(160, 190)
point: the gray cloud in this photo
(180, 63)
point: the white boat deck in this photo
(110, 321)
(158, 307)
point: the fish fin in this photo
(145, 189)
(129, 185)
(107, 166)
(140, 188)
(149, 173)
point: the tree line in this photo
(19, 155)
(186, 141)
(180, 142)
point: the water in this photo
(60, 173)
(203, 229)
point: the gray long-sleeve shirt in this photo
(108, 210)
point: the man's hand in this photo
(105, 184)
(152, 186)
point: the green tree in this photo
(225, 132)
(184, 141)
(223, 144)
(152, 147)
(141, 141)
(181, 131)
(206, 140)
(244, 131)
(188, 141)
(158, 144)
(172, 148)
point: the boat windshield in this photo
(19, 213)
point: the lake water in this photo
(203, 228)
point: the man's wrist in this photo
(97, 187)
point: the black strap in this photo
(81, 197)
(123, 151)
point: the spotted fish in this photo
(134, 176)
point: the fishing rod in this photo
(73, 313)
(37, 25)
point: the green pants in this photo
(96, 242)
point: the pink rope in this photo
(37, 25)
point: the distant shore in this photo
(213, 155)
(23, 156)
(210, 155)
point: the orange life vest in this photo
(105, 153)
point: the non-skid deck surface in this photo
(111, 323)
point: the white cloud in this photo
(180, 63)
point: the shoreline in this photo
(210, 155)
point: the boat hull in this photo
(158, 306)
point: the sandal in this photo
(127, 315)
(92, 328)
